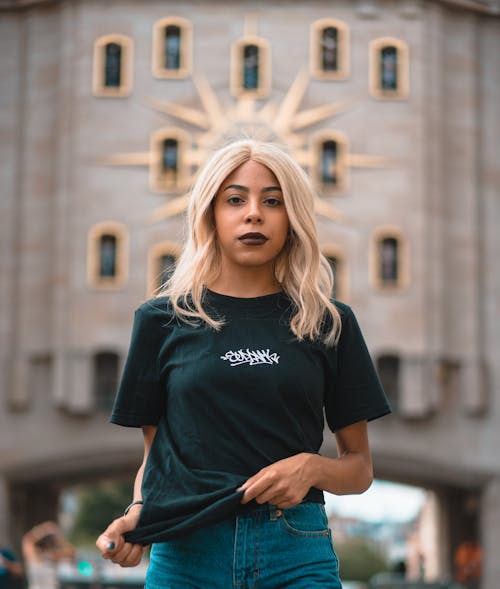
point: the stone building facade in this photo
(392, 106)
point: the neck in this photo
(245, 283)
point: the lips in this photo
(253, 238)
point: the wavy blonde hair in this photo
(301, 269)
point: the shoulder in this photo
(344, 310)
(158, 308)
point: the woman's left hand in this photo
(284, 483)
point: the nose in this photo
(253, 213)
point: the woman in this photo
(228, 376)
(44, 547)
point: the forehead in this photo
(252, 173)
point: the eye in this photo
(273, 201)
(235, 200)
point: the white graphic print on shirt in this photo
(251, 357)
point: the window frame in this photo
(403, 73)
(156, 182)
(126, 67)
(315, 51)
(236, 70)
(154, 254)
(403, 267)
(119, 231)
(316, 143)
(185, 52)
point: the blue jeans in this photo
(263, 548)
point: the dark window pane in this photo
(107, 255)
(329, 155)
(170, 159)
(105, 379)
(112, 65)
(389, 259)
(250, 67)
(389, 68)
(166, 265)
(329, 49)
(172, 48)
(332, 260)
(388, 371)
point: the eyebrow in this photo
(245, 188)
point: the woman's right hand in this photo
(112, 545)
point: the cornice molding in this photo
(487, 7)
(17, 5)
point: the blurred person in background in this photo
(44, 546)
(228, 376)
(10, 568)
(469, 564)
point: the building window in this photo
(389, 263)
(388, 368)
(107, 255)
(172, 48)
(389, 68)
(329, 162)
(329, 49)
(112, 72)
(106, 366)
(251, 68)
(389, 260)
(337, 264)
(168, 172)
(161, 264)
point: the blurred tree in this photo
(360, 558)
(97, 506)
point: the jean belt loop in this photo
(273, 516)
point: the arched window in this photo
(168, 172)
(329, 161)
(107, 255)
(389, 75)
(251, 67)
(388, 68)
(329, 49)
(172, 48)
(170, 160)
(112, 72)
(112, 65)
(106, 366)
(161, 263)
(389, 259)
(388, 368)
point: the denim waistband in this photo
(314, 496)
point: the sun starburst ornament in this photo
(215, 124)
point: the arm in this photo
(286, 482)
(10, 564)
(111, 543)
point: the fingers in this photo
(129, 555)
(120, 552)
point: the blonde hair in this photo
(301, 269)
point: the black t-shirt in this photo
(228, 403)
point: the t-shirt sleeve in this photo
(354, 393)
(140, 399)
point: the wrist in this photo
(137, 504)
(312, 464)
